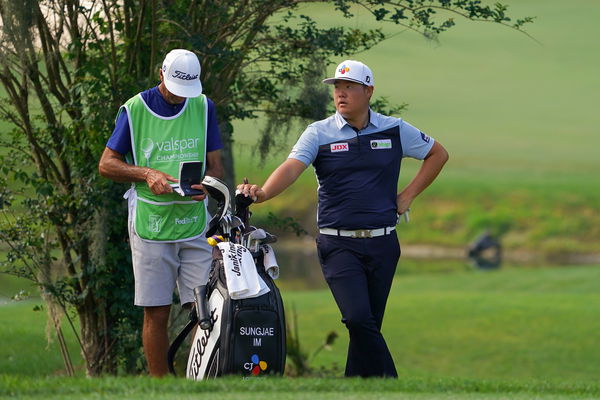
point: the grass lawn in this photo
(534, 323)
(301, 388)
(538, 323)
(25, 349)
(506, 107)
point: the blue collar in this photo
(373, 120)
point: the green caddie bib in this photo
(162, 143)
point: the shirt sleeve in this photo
(120, 140)
(213, 134)
(307, 146)
(415, 144)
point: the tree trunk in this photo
(91, 337)
(227, 154)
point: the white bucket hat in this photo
(354, 71)
(181, 73)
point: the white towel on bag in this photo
(243, 281)
(269, 261)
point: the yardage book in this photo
(190, 173)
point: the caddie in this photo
(356, 154)
(155, 130)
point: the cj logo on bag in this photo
(154, 223)
(381, 144)
(255, 365)
(335, 147)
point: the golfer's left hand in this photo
(199, 197)
(403, 203)
(253, 191)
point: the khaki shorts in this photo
(159, 267)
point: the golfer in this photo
(356, 154)
(156, 130)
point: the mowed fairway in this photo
(505, 106)
(536, 324)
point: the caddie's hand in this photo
(158, 181)
(198, 197)
(253, 191)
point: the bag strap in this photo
(179, 340)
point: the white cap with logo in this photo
(354, 71)
(181, 73)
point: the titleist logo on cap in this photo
(184, 76)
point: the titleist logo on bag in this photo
(201, 344)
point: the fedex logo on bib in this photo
(335, 147)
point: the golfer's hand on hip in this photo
(253, 191)
(403, 203)
(158, 181)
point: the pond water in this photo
(300, 269)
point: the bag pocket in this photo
(169, 222)
(256, 343)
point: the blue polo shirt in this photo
(120, 140)
(358, 171)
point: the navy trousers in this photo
(359, 273)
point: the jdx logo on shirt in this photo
(335, 147)
(381, 144)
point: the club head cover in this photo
(241, 206)
(217, 190)
(241, 201)
(269, 239)
(257, 234)
(213, 226)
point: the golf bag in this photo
(244, 336)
